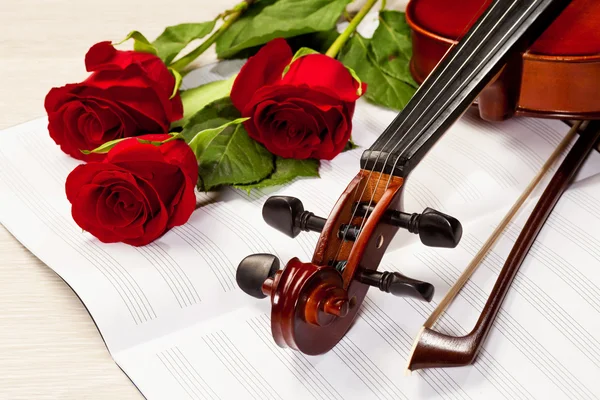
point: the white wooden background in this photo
(49, 346)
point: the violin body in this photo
(556, 76)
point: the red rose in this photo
(137, 193)
(126, 95)
(307, 113)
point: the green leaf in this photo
(384, 89)
(392, 46)
(213, 115)
(320, 41)
(157, 142)
(197, 98)
(383, 62)
(350, 145)
(108, 146)
(105, 148)
(175, 38)
(359, 91)
(304, 51)
(178, 80)
(286, 170)
(270, 19)
(140, 43)
(231, 157)
(211, 131)
(228, 156)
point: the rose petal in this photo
(125, 203)
(57, 96)
(264, 68)
(131, 150)
(103, 56)
(186, 204)
(99, 54)
(128, 94)
(299, 122)
(156, 225)
(137, 193)
(93, 97)
(178, 153)
(136, 76)
(80, 176)
(83, 212)
(326, 73)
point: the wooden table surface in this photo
(49, 346)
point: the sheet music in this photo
(176, 323)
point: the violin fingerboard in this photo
(505, 27)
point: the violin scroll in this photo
(314, 304)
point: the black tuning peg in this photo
(287, 215)
(254, 270)
(437, 230)
(396, 284)
(434, 228)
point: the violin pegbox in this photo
(314, 304)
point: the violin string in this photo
(456, 91)
(403, 137)
(344, 236)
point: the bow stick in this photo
(433, 349)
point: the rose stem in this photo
(343, 38)
(230, 17)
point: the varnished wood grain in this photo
(313, 305)
(382, 193)
(556, 84)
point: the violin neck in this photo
(506, 26)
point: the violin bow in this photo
(433, 349)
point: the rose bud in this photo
(127, 94)
(307, 113)
(137, 193)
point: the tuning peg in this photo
(287, 215)
(254, 270)
(396, 284)
(434, 228)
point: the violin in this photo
(313, 304)
(557, 76)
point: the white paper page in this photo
(543, 346)
(150, 298)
